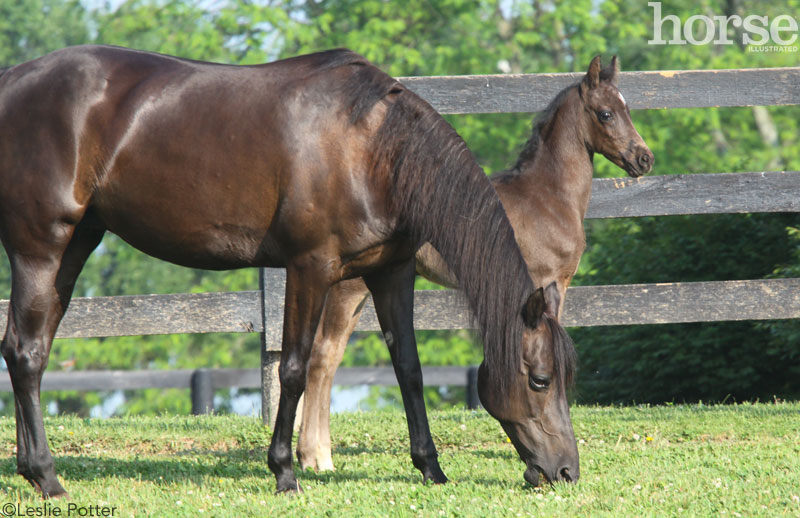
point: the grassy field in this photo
(722, 461)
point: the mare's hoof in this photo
(49, 490)
(436, 476)
(289, 489)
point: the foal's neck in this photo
(562, 165)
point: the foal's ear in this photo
(609, 73)
(592, 78)
(534, 308)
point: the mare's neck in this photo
(562, 166)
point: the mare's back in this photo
(185, 160)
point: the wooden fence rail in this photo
(203, 382)
(513, 93)
(262, 311)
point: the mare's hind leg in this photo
(342, 309)
(393, 294)
(306, 288)
(43, 276)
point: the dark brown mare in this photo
(321, 164)
(545, 195)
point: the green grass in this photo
(722, 461)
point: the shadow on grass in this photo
(237, 465)
(409, 476)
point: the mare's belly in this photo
(193, 229)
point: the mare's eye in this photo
(538, 383)
(605, 115)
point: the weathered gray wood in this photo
(760, 299)
(695, 194)
(243, 378)
(273, 290)
(585, 306)
(226, 312)
(652, 89)
(681, 302)
(473, 396)
(202, 392)
(224, 378)
(445, 375)
(433, 309)
(110, 380)
(272, 285)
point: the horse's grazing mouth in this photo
(533, 475)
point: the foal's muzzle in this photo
(639, 163)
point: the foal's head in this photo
(535, 414)
(607, 126)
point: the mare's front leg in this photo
(342, 310)
(43, 274)
(393, 294)
(306, 288)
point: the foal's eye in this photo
(605, 115)
(538, 383)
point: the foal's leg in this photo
(393, 295)
(339, 318)
(43, 276)
(306, 288)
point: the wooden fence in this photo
(261, 311)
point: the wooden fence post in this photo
(272, 284)
(202, 389)
(473, 400)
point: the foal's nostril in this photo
(645, 160)
(565, 474)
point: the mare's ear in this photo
(609, 73)
(592, 78)
(534, 308)
(552, 300)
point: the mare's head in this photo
(607, 126)
(535, 413)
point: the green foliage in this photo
(115, 268)
(230, 31)
(709, 361)
(30, 28)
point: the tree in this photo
(115, 268)
(29, 28)
(708, 361)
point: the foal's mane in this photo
(442, 196)
(541, 128)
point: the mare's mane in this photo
(441, 195)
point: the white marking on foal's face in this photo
(621, 98)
